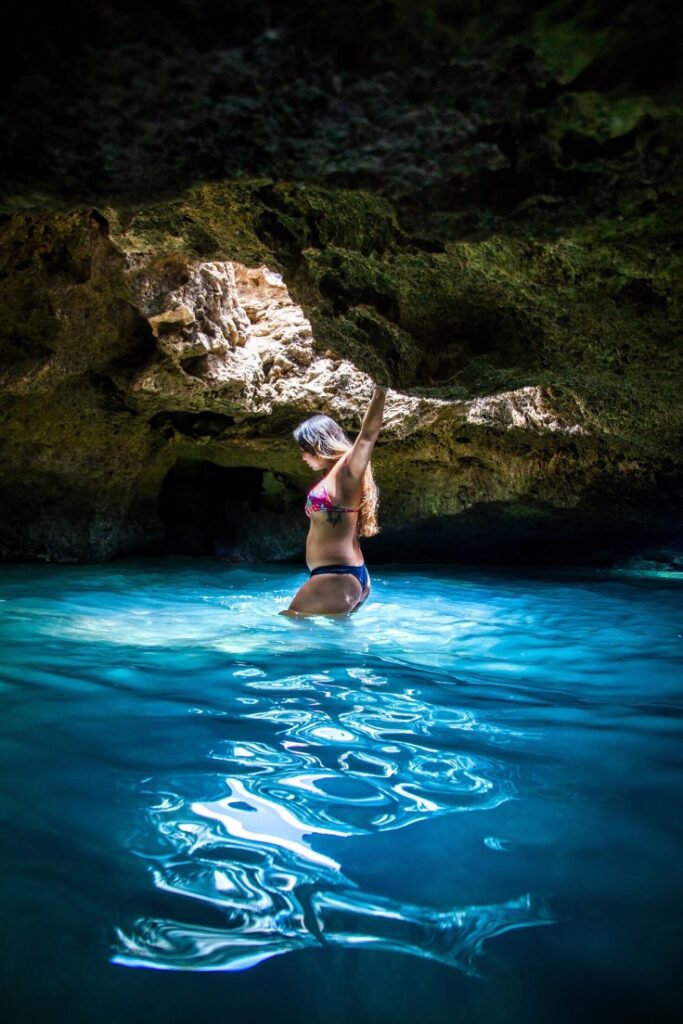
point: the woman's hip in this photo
(359, 571)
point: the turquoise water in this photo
(462, 803)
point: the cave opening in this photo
(237, 514)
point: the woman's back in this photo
(332, 506)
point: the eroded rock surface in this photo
(136, 378)
(234, 334)
(221, 219)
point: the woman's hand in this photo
(358, 458)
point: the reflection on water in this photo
(196, 783)
(346, 764)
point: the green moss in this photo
(599, 116)
(256, 222)
(592, 312)
(567, 44)
(598, 302)
(504, 313)
(354, 220)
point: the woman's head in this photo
(321, 437)
(322, 441)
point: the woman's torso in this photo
(333, 537)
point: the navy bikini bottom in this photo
(359, 571)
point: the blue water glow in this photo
(469, 791)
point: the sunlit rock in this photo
(529, 408)
(273, 359)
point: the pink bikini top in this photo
(319, 500)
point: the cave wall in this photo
(218, 223)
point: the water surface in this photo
(461, 803)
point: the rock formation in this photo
(490, 226)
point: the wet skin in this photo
(332, 540)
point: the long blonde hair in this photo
(322, 436)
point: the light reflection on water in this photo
(343, 763)
(277, 779)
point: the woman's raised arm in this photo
(356, 462)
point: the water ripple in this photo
(263, 842)
(454, 937)
(402, 781)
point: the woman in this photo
(341, 508)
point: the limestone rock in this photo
(171, 321)
(221, 218)
(527, 408)
(158, 375)
(274, 361)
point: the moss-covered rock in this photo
(481, 206)
(526, 398)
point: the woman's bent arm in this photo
(358, 458)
